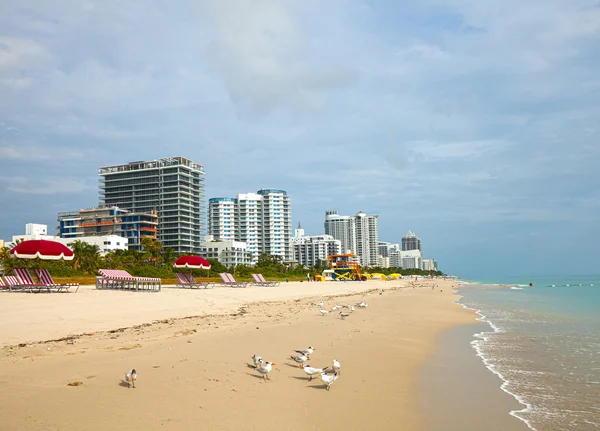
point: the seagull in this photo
(318, 304)
(362, 304)
(335, 308)
(300, 359)
(130, 377)
(352, 308)
(381, 292)
(312, 372)
(344, 315)
(324, 312)
(336, 367)
(306, 352)
(328, 379)
(257, 359)
(264, 369)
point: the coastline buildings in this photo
(173, 187)
(411, 242)
(262, 220)
(309, 250)
(228, 252)
(358, 233)
(103, 221)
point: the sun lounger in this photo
(265, 282)
(3, 285)
(120, 279)
(43, 275)
(185, 279)
(15, 284)
(26, 281)
(228, 280)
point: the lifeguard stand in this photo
(345, 267)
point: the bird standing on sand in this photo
(307, 352)
(256, 359)
(336, 367)
(264, 368)
(130, 377)
(312, 372)
(381, 292)
(344, 315)
(328, 379)
(300, 359)
(362, 304)
(324, 312)
(318, 304)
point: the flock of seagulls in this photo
(301, 357)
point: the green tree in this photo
(152, 246)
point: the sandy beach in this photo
(191, 350)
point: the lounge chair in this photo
(43, 275)
(191, 279)
(228, 280)
(26, 281)
(3, 285)
(265, 282)
(120, 279)
(15, 284)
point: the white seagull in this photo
(130, 377)
(256, 359)
(300, 359)
(312, 372)
(264, 369)
(324, 312)
(336, 366)
(362, 304)
(344, 315)
(318, 304)
(307, 352)
(328, 379)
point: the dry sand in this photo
(193, 371)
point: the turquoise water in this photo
(544, 343)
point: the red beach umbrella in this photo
(43, 249)
(192, 262)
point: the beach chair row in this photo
(259, 280)
(119, 279)
(22, 281)
(186, 280)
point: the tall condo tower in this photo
(263, 220)
(359, 234)
(221, 218)
(173, 186)
(411, 242)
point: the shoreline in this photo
(200, 361)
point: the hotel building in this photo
(309, 250)
(173, 186)
(411, 242)
(102, 221)
(262, 220)
(358, 233)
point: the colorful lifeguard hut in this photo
(345, 267)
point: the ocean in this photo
(544, 344)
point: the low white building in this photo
(388, 255)
(429, 265)
(228, 252)
(411, 259)
(33, 231)
(309, 250)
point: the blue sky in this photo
(474, 124)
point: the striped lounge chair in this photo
(26, 281)
(12, 283)
(259, 280)
(43, 275)
(120, 279)
(185, 279)
(228, 280)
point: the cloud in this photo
(41, 186)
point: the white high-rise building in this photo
(221, 218)
(388, 255)
(411, 259)
(358, 233)
(262, 220)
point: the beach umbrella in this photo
(42, 249)
(191, 262)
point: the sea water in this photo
(544, 343)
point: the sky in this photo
(474, 124)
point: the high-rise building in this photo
(263, 220)
(342, 228)
(102, 221)
(358, 233)
(388, 255)
(221, 218)
(411, 242)
(173, 186)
